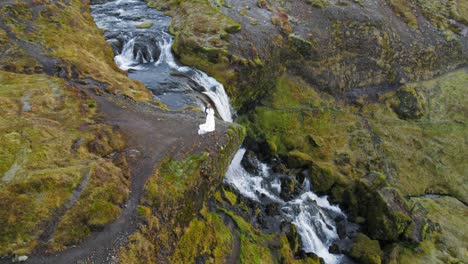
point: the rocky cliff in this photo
(364, 98)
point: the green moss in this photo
(216, 243)
(143, 211)
(318, 3)
(230, 196)
(175, 194)
(41, 164)
(99, 204)
(366, 251)
(146, 24)
(252, 240)
(404, 9)
(447, 216)
(68, 32)
(172, 179)
(140, 250)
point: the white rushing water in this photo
(308, 212)
(211, 87)
(126, 59)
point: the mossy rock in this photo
(297, 159)
(234, 28)
(300, 45)
(409, 104)
(366, 251)
(146, 24)
(318, 3)
(321, 179)
(388, 215)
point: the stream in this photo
(146, 54)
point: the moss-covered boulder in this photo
(366, 250)
(409, 103)
(143, 25)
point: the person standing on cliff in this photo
(209, 125)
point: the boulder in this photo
(366, 251)
(147, 47)
(341, 246)
(116, 45)
(146, 24)
(289, 188)
(251, 163)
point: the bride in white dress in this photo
(209, 125)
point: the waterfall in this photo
(212, 88)
(215, 91)
(166, 52)
(310, 213)
(165, 77)
(126, 59)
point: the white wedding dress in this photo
(209, 125)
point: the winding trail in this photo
(153, 133)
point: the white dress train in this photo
(209, 125)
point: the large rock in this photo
(251, 163)
(366, 251)
(147, 47)
(384, 209)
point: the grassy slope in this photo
(449, 244)
(41, 161)
(326, 130)
(56, 144)
(66, 30)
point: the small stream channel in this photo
(147, 56)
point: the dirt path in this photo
(154, 133)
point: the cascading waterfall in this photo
(166, 52)
(312, 215)
(126, 59)
(135, 48)
(212, 88)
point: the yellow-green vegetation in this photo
(436, 12)
(67, 31)
(208, 237)
(318, 3)
(287, 256)
(440, 12)
(447, 243)
(230, 196)
(14, 58)
(45, 129)
(252, 242)
(366, 251)
(98, 206)
(201, 31)
(344, 138)
(146, 24)
(412, 139)
(434, 144)
(172, 179)
(404, 9)
(174, 195)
